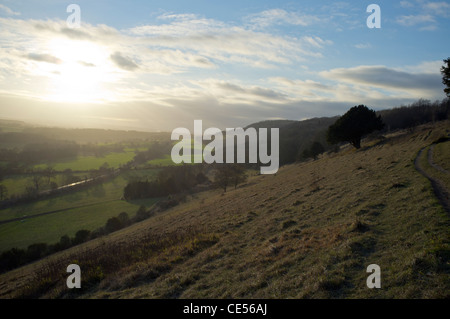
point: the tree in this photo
(353, 125)
(65, 242)
(222, 177)
(445, 70)
(142, 213)
(124, 219)
(229, 174)
(49, 173)
(238, 174)
(36, 181)
(3, 192)
(112, 225)
(313, 151)
(81, 236)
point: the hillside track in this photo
(439, 188)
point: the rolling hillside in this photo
(310, 231)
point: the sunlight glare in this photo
(83, 74)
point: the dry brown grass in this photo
(309, 231)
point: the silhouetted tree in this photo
(238, 174)
(36, 251)
(124, 219)
(112, 225)
(445, 70)
(81, 236)
(142, 213)
(65, 242)
(11, 259)
(49, 173)
(229, 174)
(315, 149)
(353, 125)
(222, 177)
(3, 192)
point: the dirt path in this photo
(430, 160)
(439, 188)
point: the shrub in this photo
(81, 236)
(113, 224)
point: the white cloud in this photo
(122, 62)
(424, 14)
(8, 11)
(417, 85)
(42, 57)
(363, 46)
(432, 67)
(217, 41)
(438, 8)
(278, 17)
(406, 4)
(186, 66)
(412, 20)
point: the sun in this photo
(83, 74)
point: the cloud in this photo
(406, 4)
(438, 8)
(432, 67)
(122, 62)
(227, 43)
(391, 80)
(86, 64)
(222, 72)
(363, 46)
(278, 17)
(8, 11)
(426, 14)
(44, 58)
(412, 20)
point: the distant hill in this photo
(18, 133)
(296, 136)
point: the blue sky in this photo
(157, 65)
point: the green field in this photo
(84, 209)
(16, 184)
(165, 161)
(86, 163)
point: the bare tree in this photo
(3, 192)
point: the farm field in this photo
(86, 163)
(86, 209)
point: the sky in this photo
(159, 65)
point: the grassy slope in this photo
(309, 231)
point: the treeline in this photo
(306, 139)
(53, 150)
(170, 180)
(226, 175)
(156, 150)
(299, 138)
(34, 153)
(414, 114)
(19, 161)
(16, 257)
(96, 136)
